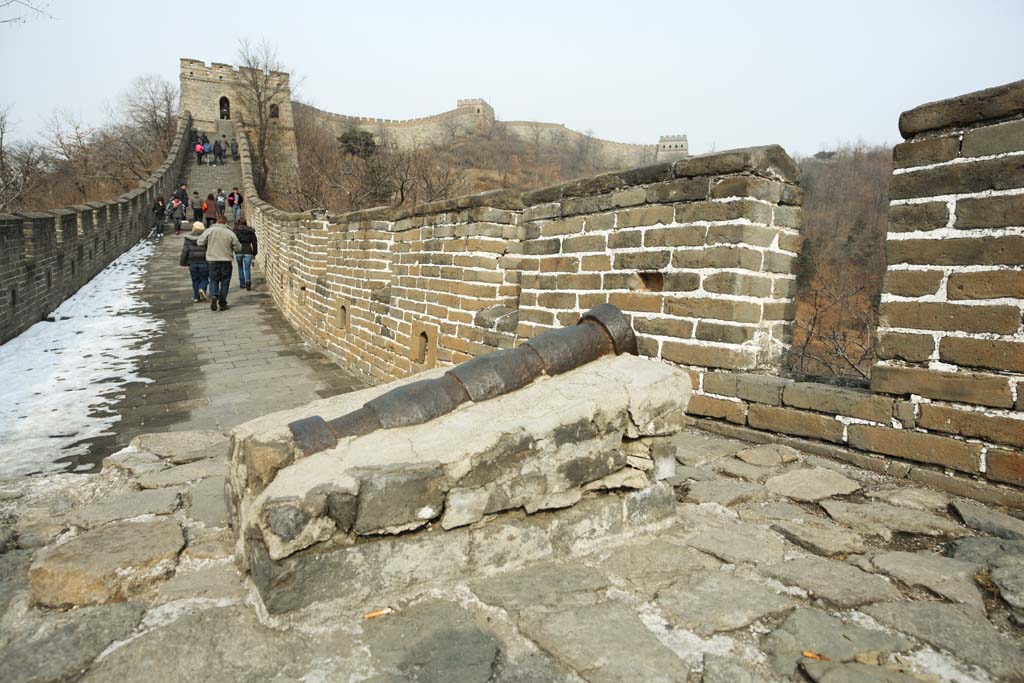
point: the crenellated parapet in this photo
(45, 257)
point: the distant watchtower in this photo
(672, 147)
(211, 92)
(483, 113)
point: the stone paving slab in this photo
(717, 594)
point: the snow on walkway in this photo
(60, 379)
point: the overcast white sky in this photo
(728, 74)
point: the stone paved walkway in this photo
(210, 370)
(776, 566)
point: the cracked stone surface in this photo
(949, 578)
(714, 593)
(725, 492)
(813, 630)
(768, 455)
(823, 538)
(107, 564)
(718, 601)
(126, 506)
(955, 628)
(839, 583)
(882, 520)
(737, 543)
(990, 521)
(811, 484)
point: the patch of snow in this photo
(61, 378)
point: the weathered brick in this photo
(779, 310)
(637, 301)
(906, 414)
(913, 348)
(722, 383)
(583, 243)
(707, 406)
(625, 239)
(761, 388)
(718, 309)
(596, 262)
(963, 387)
(990, 212)
(912, 282)
(1008, 250)
(769, 161)
(991, 174)
(1004, 430)
(563, 227)
(989, 284)
(747, 186)
(682, 190)
(717, 257)
(927, 151)
(703, 355)
(943, 316)
(629, 196)
(726, 334)
(983, 105)
(929, 448)
(690, 236)
(795, 422)
(560, 264)
(738, 284)
(913, 217)
(825, 398)
(680, 282)
(647, 215)
(556, 300)
(993, 354)
(579, 281)
(788, 217)
(665, 327)
(741, 234)
(541, 247)
(1005, 466)
(791, 242)
(756, 212)
(784, 288)
(997, 139)
(642, 260)
(774, 262)
(601, 221)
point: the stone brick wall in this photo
(45, 257)
(702, 253)
(950, 320)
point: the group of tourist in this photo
(214, 244)
(204, 211)
(213, 153)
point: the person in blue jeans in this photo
(247, 237)
(193, 257)
(221, 245)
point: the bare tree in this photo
(23, 168)
(150, 105)
(261, 84)
(20, 11)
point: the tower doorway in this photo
(225, 108)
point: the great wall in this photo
(576, 454)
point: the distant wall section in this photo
(45, 257)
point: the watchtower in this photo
(672, 147)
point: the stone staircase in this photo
(206, 179)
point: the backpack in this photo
(206, 147)
(199, 147)
(231, 199)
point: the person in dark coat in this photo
(193, 256)
(159, 209)
(247, 237)
(234, 150)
